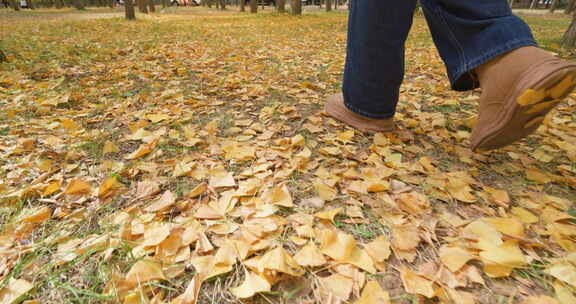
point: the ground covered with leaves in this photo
(185, 158)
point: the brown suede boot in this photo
(335, 108)
(518, 89)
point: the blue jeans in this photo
(467, 33)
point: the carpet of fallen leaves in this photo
(185, 158)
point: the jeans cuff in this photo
(367, 114)
(462, 79)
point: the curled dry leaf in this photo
(190, 296)
(143, 150)
(328, 215)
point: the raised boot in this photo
(336, 109)
(518, 89)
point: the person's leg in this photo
(483, 44)
(377, 31)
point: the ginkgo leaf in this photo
(52, 188)
(373, 294)
(563, 271)
(379, 249)
(110, 147)
(221, 178)
(416, 284)
(77, 186)
(540, 300)
(144, 271)
(508, 226)
(361, 259)
(156, 118)
(183, 168)
(37, 215)
(524, 215)
(14, 290)
(197, 191)
(328, 215)
(310, 256)
(338, 246)
(279, 260)
(337, 286)
(108, 187)
(157, 233)
(324, 191)
(166, 200)
(563, 293)
(279, 195)
(460, 190)
(454, 257)
(252, 285)
(136, 297)
(143, 150)
(190, 295)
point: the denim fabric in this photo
(467, 33)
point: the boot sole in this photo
(524, 114)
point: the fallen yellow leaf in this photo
(416, 284)
(454, 257)
(310, 256)
(373, 294)
(328, 215)
(77, 186)
(144, 271)
(14, 290)
(252, 285)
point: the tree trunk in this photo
(222, 4)
(553, 5)
(569, 39)
(281, 6)
(59, 4)
(3, 57)
(253, 6)
(329, 5)
(151, 6)
(142, 6)
(15, 4)
(79, 4)
(129, 8)
(296, 7)
(570, 7)
(30, 4)
(242, 5)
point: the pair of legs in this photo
(481, 43)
